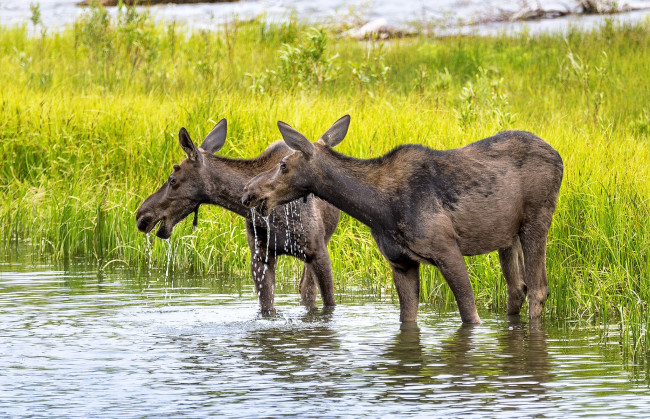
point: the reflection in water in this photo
(406, 351)
(525, 359)
(79, 344)
(516, 364)
(291, 353)
(295, 356)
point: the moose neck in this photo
(351, 185)
(227, 178)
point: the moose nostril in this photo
(143, 222)
(247, 199)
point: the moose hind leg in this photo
(308, 288)
(321, 268)
(407, 284)
(512, 265)
(533, 242)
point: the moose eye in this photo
(283, 167)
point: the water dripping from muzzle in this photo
(195, 222)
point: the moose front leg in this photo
(407, 284)
(263, 272)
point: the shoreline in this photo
(356, 23)
(144, 3)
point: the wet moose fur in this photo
(302, 230)
(431, 206)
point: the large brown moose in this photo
(302, 229)
(430, 206)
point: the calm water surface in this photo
(76, 343)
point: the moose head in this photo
(295, 174)
(185, 189)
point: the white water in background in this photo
(399, 14)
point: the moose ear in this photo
(216, 138)
(336, 133)
(296, 140)
(190, 149)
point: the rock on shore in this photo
(107, 3)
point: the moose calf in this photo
(431, 206)
(204, 178)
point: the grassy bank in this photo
(89, 120)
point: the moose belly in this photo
(486, 228)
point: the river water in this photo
(77, 342)
(452, 15)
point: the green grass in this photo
(89, 118)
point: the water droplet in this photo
(149, 249)
(169, 257)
